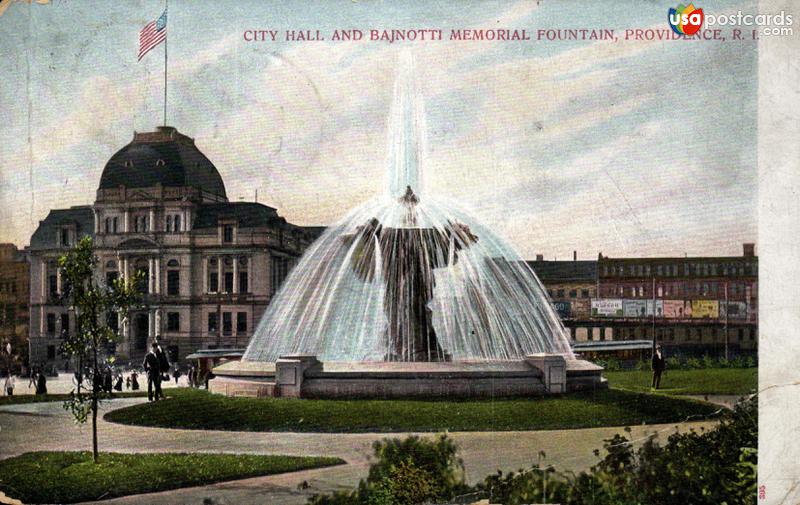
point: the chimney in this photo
(540, 257)
(574, 255)
(749, 250)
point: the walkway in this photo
(46, 426)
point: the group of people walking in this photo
(38, 381)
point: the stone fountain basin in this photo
(303, 376)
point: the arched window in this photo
(177, 222)
(173, 263)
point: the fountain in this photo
(408, 295)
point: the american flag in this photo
(152, 34)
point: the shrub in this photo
(709, 468)
(673, 363)
(694, 363)
(643, 364)
(408, 471)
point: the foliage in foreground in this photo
(714, 467)
(408, 471)
(68, 477)
(187, 409)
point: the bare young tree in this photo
(92, 302)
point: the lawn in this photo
(189, 409)
(728, 381)
(67, 477)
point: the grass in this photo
(189, 409)
(60, 397)
(727, 381)
(67, 477)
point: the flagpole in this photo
(166, 42)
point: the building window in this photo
(229, 282)
(112, 320)
(111, 277)
(212, 322)
(173, 282)
(176, 223)
(573, 293)
(143, 269)
(243, 286)
(108, 225)
(53, 285)
(584, 293)
(560, 293)
(51, 324)
(213, 280)
(241, 323)
(280, 269)
(64, 325)
(227, 234)
(65, 241)
(173, 321)
(227, 323)
(169, 223)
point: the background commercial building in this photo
(696, 305)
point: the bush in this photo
(710, 468)
(408, 471)
(693, 363)
(643, 364)
(673, 363)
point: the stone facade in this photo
(13, 305)
(210, 266)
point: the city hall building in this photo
(210, 266)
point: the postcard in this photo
(365, 252)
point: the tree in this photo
(92, 303)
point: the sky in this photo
(629, 148)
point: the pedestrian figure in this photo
(9, 385)
(153, 369)
(134, 381)
(127, 383)
(658, 364)
(163, 364)
(118, 384)
(176, 374)
(107, 381)
(41, 384)
(191, 376)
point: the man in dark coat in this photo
(658, 364)
(153, 369)
(163, 365)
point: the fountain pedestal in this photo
(306, 377)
